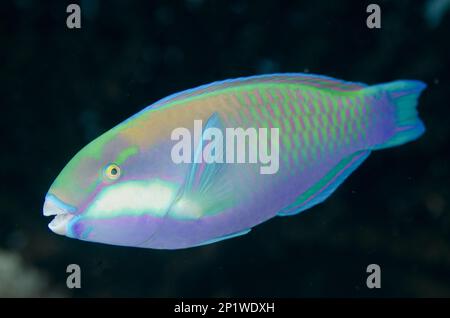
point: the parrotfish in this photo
(126, 188)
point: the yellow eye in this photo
(112, 171)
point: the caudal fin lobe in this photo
(404, 95)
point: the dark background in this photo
(61, 88)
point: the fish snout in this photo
(63, 213)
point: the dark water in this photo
(60, 88)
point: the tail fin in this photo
(404, 95)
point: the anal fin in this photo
(327, 185)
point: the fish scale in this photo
(327, 128)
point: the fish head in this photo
(104, 194)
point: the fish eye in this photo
(112, 171)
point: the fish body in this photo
(125, 188)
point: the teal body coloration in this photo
(126, 188)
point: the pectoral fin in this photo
(206, 190)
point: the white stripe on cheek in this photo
(132, 198)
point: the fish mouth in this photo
(63, 214)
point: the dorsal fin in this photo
(318, 81)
